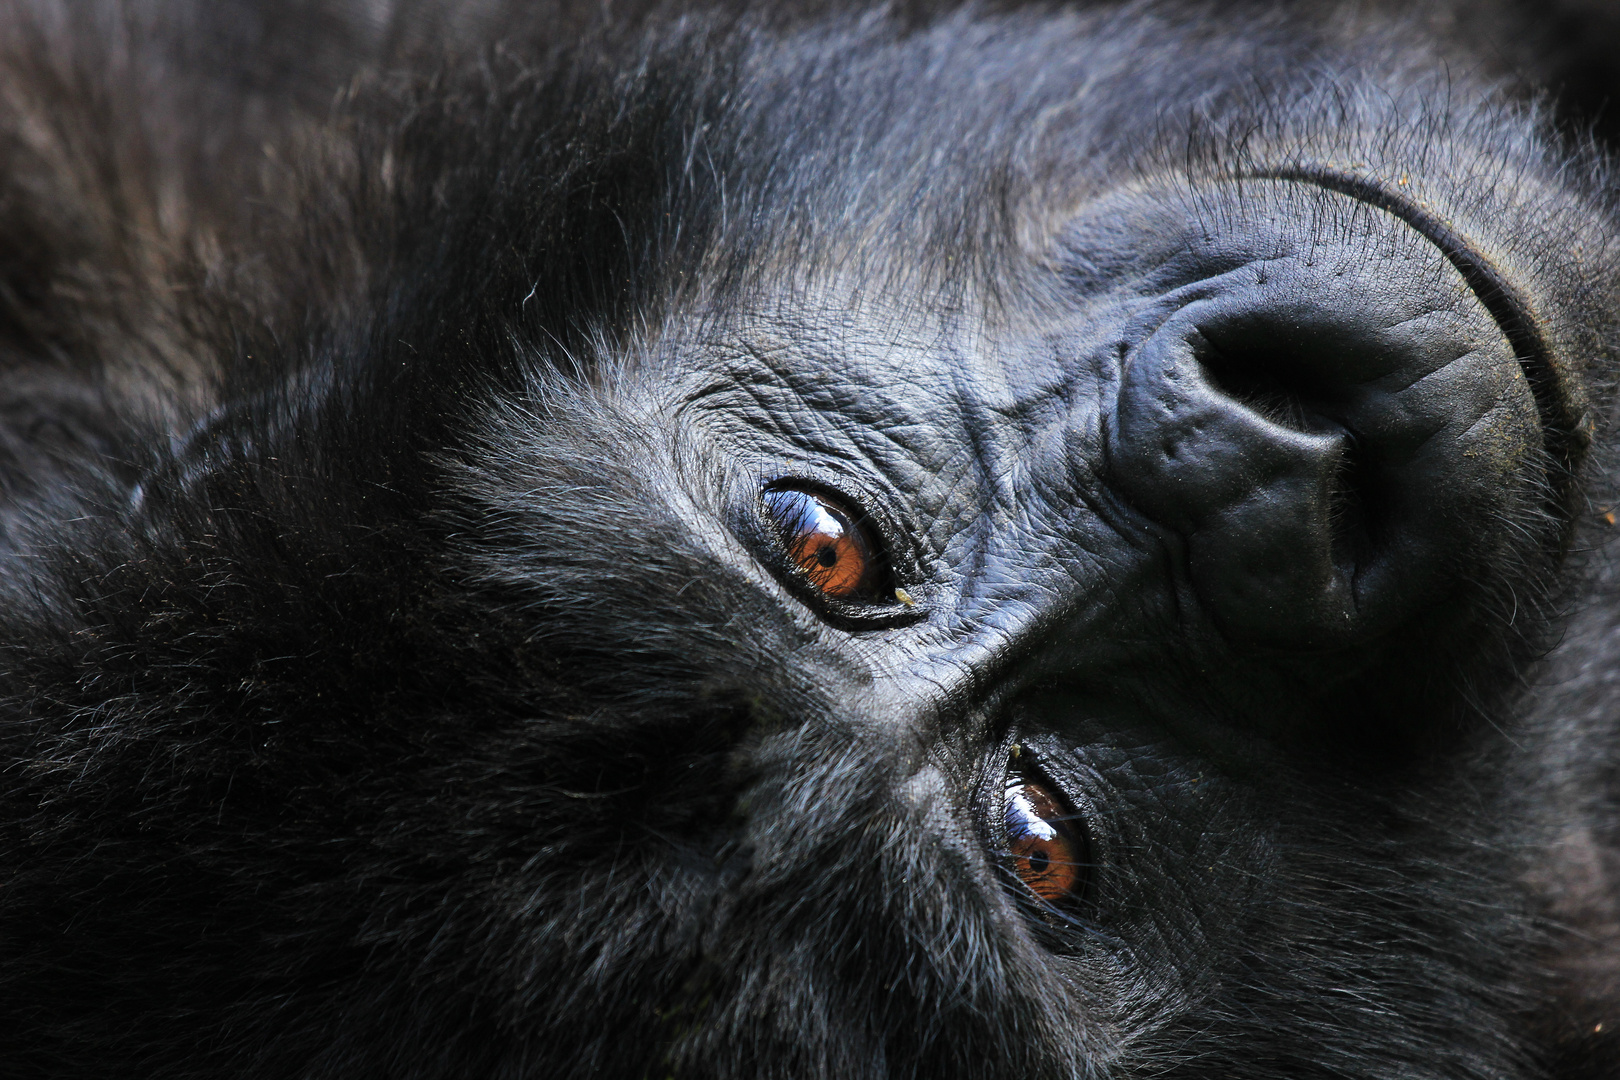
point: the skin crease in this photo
(407, 667)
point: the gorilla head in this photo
(915, 544)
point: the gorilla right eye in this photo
(828, 542)
(1046, 842)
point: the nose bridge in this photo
(1055, 584)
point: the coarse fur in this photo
(402, 675)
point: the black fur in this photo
(402, 675)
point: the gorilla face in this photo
(996, 545)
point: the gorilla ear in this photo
(1335, 423)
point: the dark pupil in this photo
(827, 556)
(1038, 861)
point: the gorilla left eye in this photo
(1046, 843)
(829, 543)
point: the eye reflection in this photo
(1046, 842)
(826, 541)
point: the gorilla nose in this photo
(1340, 431)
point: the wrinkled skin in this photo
(406, 674)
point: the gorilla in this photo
(762, 540)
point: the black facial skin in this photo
(404, 673)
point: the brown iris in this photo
(826, 541)
(1045, 841)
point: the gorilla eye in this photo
(828, 542)
(1046, 842)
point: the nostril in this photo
(1558, 401)
(1285, 391)
(1342, 418)
(1353, 506)
(1342, 444)
(1282, 393)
